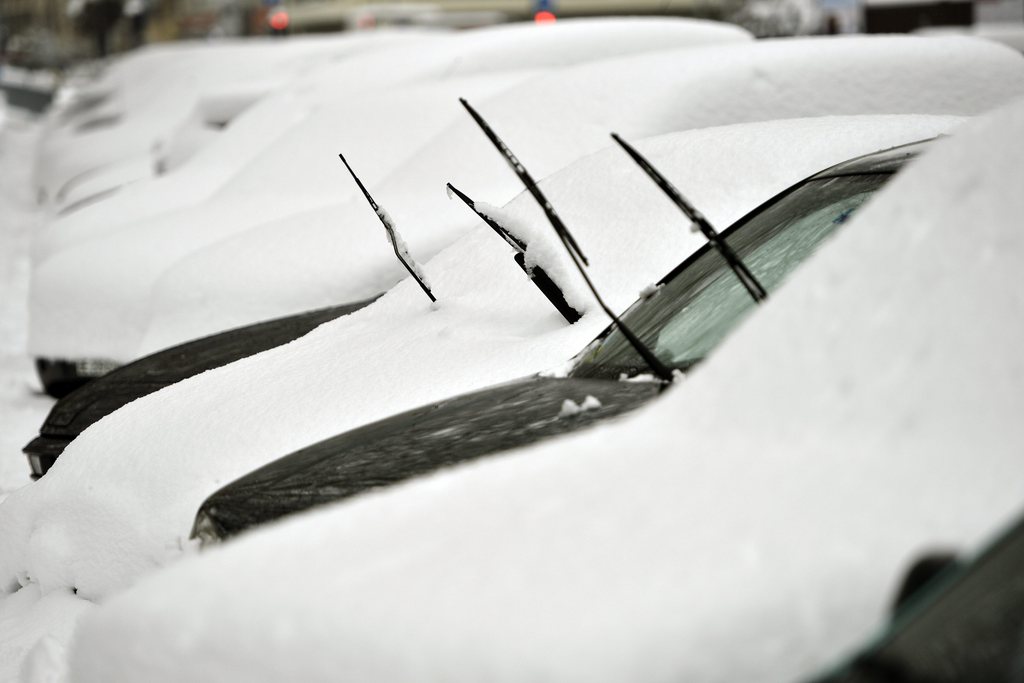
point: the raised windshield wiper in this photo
(746, 278)
(569, 243)
(536, 274)
(396, 241)
(531, 185)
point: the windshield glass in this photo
(694, 310)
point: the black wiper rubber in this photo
(537, 275)
(746, 278)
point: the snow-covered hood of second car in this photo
(152, 463)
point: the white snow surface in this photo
(379, 108)
(121, 499)
(26, 616)
(750, 525)
(383, 65)
(254, 255)
(22, 407)
(150, 91)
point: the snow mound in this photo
(121, 499)
(750, 525)
(235, 261)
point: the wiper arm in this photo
(397, 243)
(537, 274)
(746, 278)
(575, 255)
(528, 181)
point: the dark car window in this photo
(965, 626)
(700, 303)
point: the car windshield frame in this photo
(584, 365)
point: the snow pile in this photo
(571, 408)
(750, 525)
(231, 262)
(121, 499)
(35, 630)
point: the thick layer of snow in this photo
(150, 465)
(151, 91)
(293, 176)
(120, 295)
(395, 63)
(751, 525)
(34, 631)
(25, 617)
(22, 408)
(362, 106)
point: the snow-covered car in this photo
(749, 525)
(955, 620)
(247, 255)
(109, 130)
(680, 320)
(273, 165)
(85, 405)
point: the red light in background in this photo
(544, 17)
(279, 20)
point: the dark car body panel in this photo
(965, 625)
(417, 442)
(78, 410)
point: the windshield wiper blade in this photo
(659, 368)
(516, 243)
(397, 243)
(528, 181)
(537, 275)
(746, 278)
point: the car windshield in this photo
(702, 300)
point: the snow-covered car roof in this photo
(721, 534)
(151, 464)
(252, 255)
(141, 97)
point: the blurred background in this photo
(51, 35)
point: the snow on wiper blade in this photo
(746, 278)
(513, 241)
(396, 241)
(537, 275)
